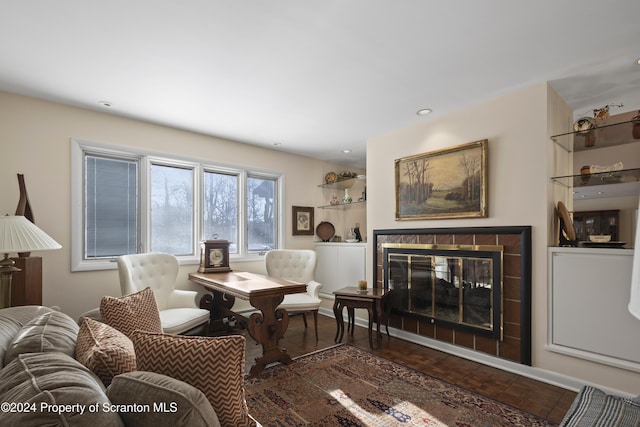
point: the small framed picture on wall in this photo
(302, 220)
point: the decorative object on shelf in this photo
(24, 206)
(601, 115)
(600, 238)
(610, 244)
(330, 178)
(566, 232)
(635, 132)
(363, 197)
(347, 198)
(601, 169)
(302, 220)
(585, 174)
(362, 285)
(325, 230)
(356, 230)
(584, 125)
(214, 256)
(343, 176)
(351, 236)
(18, 234)
(334, 200)
(461, 169)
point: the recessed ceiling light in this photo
(424, 112)
(638, 61)
(346, 151)
(277, 144)
(105, 104)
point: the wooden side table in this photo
(373, 300)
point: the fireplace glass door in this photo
(456, 288)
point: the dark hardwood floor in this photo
(547, 401)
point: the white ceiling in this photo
(315, 76)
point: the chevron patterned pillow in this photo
(132, 312)
(214, 365)
(106, 351)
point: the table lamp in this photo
(18, 234)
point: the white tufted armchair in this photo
(179, 312)
(298, 266)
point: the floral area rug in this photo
(346, 386)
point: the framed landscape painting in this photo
(449, 183)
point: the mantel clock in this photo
(214, 256)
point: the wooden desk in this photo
(372, 300)
(265, 294)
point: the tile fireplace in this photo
(465, 286)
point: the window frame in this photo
(145, 159)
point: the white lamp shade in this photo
(634, 301)
(18, 234)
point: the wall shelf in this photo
(603, 136)
(342, 205)
(619, 183)
(345, 185)
(341, 185)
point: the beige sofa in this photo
(42, 382)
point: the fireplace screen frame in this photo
(401, 303)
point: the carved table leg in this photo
(267, 327)
(219, 305)
(337, 311)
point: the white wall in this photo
(521, 161)
(35, 139)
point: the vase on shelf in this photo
(347, 198)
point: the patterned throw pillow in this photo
(106, 351)
(593, 407)
(214, 365)
(132, 312)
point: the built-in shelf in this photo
(341, 185)
(603, 178)
(342, 205)
(619, 183)
(599, 137)
(344, 185)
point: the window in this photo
(172, 209)
(260, 214)
(127, 201)
(111, 209)
(220, 208)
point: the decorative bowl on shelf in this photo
(330, 178)
(600, 238)
(351, 241)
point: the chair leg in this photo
(304, 317)
(315, 322)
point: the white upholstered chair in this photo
(298, 266)
(179, 312)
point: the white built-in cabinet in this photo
(340, 265)
(589, 292)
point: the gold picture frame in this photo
(448, 183)
(302, 221)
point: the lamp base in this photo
(6, 271)
(26, 285)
